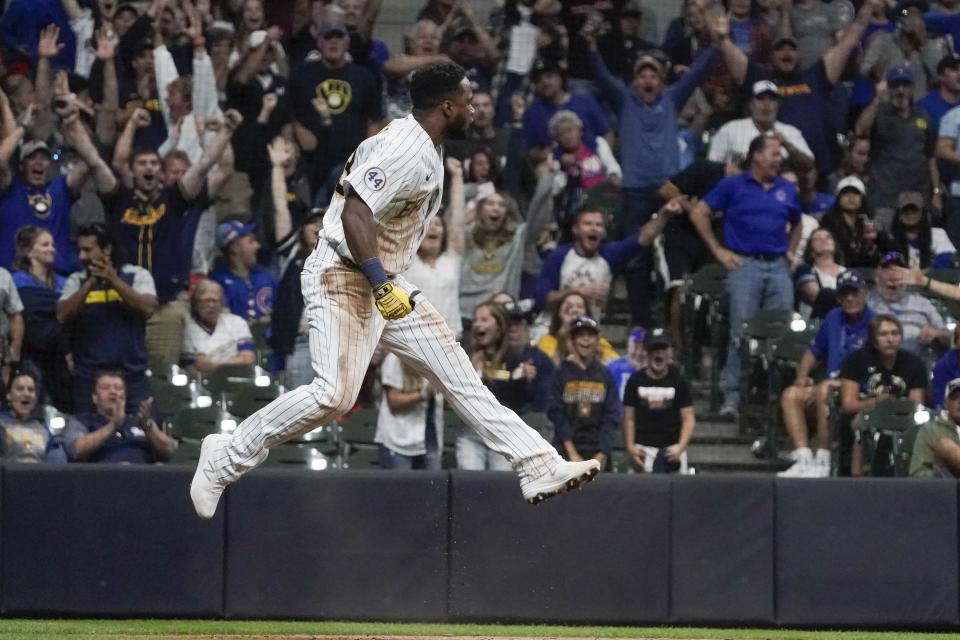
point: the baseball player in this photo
(356, 297)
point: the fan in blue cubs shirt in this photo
(247, 288)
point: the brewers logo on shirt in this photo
(41, 204)
(336, 93)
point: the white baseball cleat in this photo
(206, 489)
(567, 475)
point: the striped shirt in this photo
(398, 173)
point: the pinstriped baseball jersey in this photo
(398, 173)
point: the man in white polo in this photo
(732, 140)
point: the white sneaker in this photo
(803, 464)
(822, 461)
(206, 489)
(799, 469)
(567, 475)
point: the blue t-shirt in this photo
(946, 369)
(621, 369)
(47, 207)
(250, 299)
(755, 219)
(821, 203)
(537, 116)
(740, 35)
(837, 338)
(935, 106)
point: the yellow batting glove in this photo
(394, 302)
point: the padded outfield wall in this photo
(462, 546)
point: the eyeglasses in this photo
(330, 35)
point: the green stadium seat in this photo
(541, 423)
(194, 423)
(302, 456)
(706, 320)
(361, 457)
(757, 399)
(229, 377)
(359, 427)
(244, 400)
(890, 431)
(188, 452)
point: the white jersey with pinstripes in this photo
(398, 173)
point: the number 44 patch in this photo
(375, 179)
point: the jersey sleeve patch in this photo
(375, 179)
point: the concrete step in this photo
(724, 457)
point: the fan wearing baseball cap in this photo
(247, 289)
(658, 418)
(850, 222)
(902, 139)
(913, 234)
(732, 140)
(805, 86)
(946, 369)
(584, 405)
(32, 195)
(936, 450)
(804, 403)
(923, 326)
(647, 111)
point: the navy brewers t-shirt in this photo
(354, 98)
(150, 235)
(804, 103)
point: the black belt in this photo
(766, 257)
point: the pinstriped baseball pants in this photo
(345, 328)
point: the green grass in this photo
(116, 629)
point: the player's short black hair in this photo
(434, 83)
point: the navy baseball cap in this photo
(333, 26)
(850, 279)
(952, 386)
(893, 258)
(899, 75)
(545, 65)
(230, 230)
(584, 323)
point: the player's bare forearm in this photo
(359, 229)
